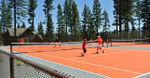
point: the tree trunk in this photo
(139, 29)
(32, 23)
(120, 16)
(120, 19)
(15, 18)
(66, 33)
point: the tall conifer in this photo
(48, 7)
(31, 8)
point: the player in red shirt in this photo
(84, 47)
(21, 40)
(99, 46)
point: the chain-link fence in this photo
(4, 66)
(18, 67)
(128, 35)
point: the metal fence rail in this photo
(29, 69)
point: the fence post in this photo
(11, 67)
(11, 62)
(11, 48)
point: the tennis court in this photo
(114, 63)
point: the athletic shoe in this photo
(102, 51)
(82, 54)
(97, 52)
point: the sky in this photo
(105, 5)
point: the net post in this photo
(133, 42)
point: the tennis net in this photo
(44, 47)
(130, 42)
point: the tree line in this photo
(130, 14)
(70, 27)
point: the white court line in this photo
(113, 68)
(142, 75)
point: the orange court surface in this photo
(113, 63)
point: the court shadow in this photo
(40, 51)
(35, 52)
(53, 50)
(94, 53)
(29, 52)
(24, 52)
(66, 49)
(70, 49)
(80, 56)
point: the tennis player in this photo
(107, 43)
(84, 47)
(99, 46)
(57, 42)
(21, 40)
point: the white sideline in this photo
(142, 75)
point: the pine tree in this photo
(97, 15)
(70, 18)
(88, 28)
(9, 15)
(133, 27)
(145, 14)
(128, 11)
(123, 11)
(119, 3)
(40, 29)
(32, 6)
(60, 23)
(75, 22)
(138, 13)
(66, 17)
(106, 23)
(20, 11)
(86, 22)
(91, 28)
(3, 15)
(48, 7)
(0, 27)
(118, 12)
(6, 19)
(0, 32)
(116, 15)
